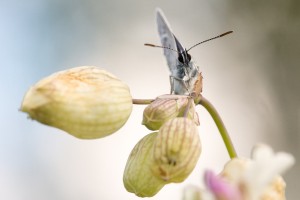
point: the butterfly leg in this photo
(183, 82)
(172, 84)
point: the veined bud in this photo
(86, 102)
(138, 177)
(177, 149)
(167, 107)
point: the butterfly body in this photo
(183, 71)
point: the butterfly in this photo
(185, 76)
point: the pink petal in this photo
(220, 188)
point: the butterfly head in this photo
(183, 56)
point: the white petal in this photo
(265, 167)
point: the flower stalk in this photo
(222, 129)
(142, 101)
(214, 114)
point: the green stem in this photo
(216, 117)
(142, 101)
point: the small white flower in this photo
(258, 177)
(250, 179)
(264, 168)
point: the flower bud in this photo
(167, 107)
(177, 149)
(86, 102)
(138, 177)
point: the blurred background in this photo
(251, 76)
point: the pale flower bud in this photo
(177, 149)
(86, 102)
(167, 107)
(138, 177)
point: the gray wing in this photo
(167, 40)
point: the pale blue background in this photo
(251, 77)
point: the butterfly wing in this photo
(167, 40)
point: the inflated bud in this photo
(86, 102)
(177, 149)
(167, 107)
(138, 177)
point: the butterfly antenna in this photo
(223, 34)
(153, 45)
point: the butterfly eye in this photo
(180, 58)
(189, 57)
(184, 57)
